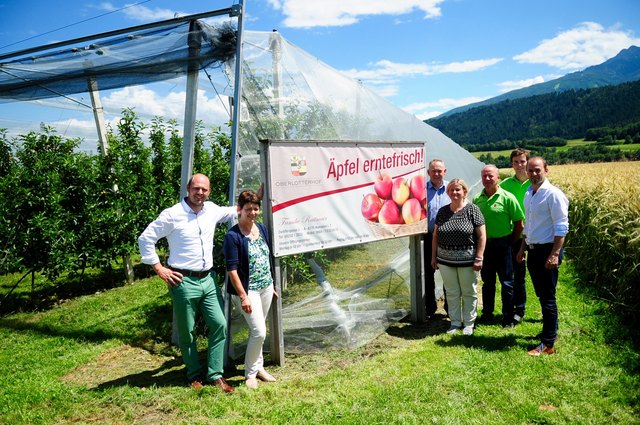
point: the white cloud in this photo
(149, 103)
(384, 75)
(307, 14)
(146, 104)
(426, 110)
(506, 86)
(587, 44)
(142, 13)
(385, 69)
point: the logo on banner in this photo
(298, 165)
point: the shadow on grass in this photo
(408, 330)
(169, 374)
(483, 342)
(438, 326)
(43, 294)
(153, 334)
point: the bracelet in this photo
(479, 258)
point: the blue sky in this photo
(424, 56)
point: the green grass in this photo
(104, 358)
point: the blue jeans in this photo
(544, 283)
(497, 260)
(193, 295)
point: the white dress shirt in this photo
(190, 235)
(547, 214)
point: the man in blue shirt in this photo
(436, 198)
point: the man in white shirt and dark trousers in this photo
(546, 225)
(189, 227)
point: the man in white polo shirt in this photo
(545, 228)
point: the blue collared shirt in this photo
(436, 199)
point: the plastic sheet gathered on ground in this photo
(326, 317)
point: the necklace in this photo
(251, 232)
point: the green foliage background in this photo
(63, 211)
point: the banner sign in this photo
(332, 194)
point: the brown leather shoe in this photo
(197, 385)
(541, 349)
(222, 384)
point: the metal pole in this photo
(416, 280)
(98, 115)
(188, 139)
(275, 314)
(237, 100)
(190, 107)
(238, 10)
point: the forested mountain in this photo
(622, 68)
(567, 115)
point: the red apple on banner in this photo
(389, 213)
(383, 185)
(370, 206)
(418, 188)
(411, 211)
(400, 191)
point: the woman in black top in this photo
(457, 247)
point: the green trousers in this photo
(203, 295)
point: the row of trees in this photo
(568, 115)
(62, 211)
(629, 133)
(538, 142)
(580, 154)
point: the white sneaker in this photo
(453, 330)
(468, 330)
(251, 383)
(265, 376)
(517, 318)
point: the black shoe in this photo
(485, 318)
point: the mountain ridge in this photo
(622, 68)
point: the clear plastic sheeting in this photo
(142, 57)
(348, 318)
(289, 94)
(328, 316)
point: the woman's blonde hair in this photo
(460, 182)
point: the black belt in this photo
(192, 273)
(533, 246)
